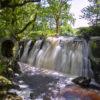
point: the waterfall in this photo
(31, 58)
(25, 52)
(64, 54)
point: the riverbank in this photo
(5, 85)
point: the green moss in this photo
(2, 68)
(4, 81)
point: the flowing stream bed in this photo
(39, 84)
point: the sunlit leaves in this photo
(33, 19)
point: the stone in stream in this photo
(78, 93)
(82, 81)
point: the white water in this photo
(25, 53)
(68, 55)
(33, 53)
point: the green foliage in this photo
(95, 48)
(22, 19)
(92, 12)
(13, 20)
(89, 31)
(60, 16)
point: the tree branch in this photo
(26, 26)
(7, 4)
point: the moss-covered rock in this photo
(5, 83)
(12, 97)
(5, 80)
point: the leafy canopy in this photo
(27, 19)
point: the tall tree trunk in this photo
(57, 26)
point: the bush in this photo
(89, 31)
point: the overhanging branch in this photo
(27, 25)
(7, 4)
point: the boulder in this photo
(82, 81)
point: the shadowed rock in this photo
(82, 81)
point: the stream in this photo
(40, 84)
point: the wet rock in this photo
(15, 86)
(97, 76)
(7, 95)
(46, 97)
(31, 95)
(7, 48)
(78, 93)
(82, 81)
(16, 67)
(11, 97)
(11, 93)
(4, 82)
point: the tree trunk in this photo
(57, 26)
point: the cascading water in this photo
(31, 58)
(52, 64)
(25, 52)
(68, 55)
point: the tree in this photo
(92, 12)
(89, 31)
(14, 3)
(53, 18)
(25, 19)
(59, 13)
(16, 16)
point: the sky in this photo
(76, 8)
